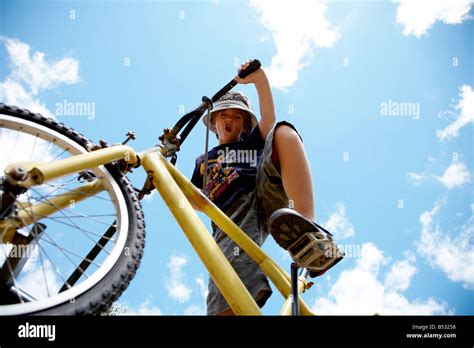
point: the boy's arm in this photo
(265, 98)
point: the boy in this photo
(258, 169)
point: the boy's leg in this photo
(260, 299)
(295, 228)
(289, 158)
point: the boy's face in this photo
(229, 124)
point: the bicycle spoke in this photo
(82, 230)
(64, 150)
(83, 217)
(16, 141)
(5, 154)
(57, 187)
(34, 146)
(41, 248)
(52, 263)
(87, 216)
(35, 236)
(42, 267)
(74, 224)
(41, 260)
(72, 190)
(65, 250)
(3, 151)
(55, 219)
(70, 182)
(50, 145)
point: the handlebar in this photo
(191, 118)
(253, 66)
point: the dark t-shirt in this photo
(232, 169)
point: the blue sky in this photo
(397, 185)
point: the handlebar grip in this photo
(254, 66)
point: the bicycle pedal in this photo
(309, 251)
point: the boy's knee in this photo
(283, 138)
(286, 134)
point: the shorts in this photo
(251, 212)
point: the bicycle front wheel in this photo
(76, 259)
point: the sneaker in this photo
(310, 245)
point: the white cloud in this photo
(147, 308)
(32, 73)
(13, 93)
(285, 256)
(202, 286)
(465, 108)
(195, 310)
(295, 28)
(199, 308)
(175, 284)
(418, 16)
(417, 179)
(338, 224)
(359, 291)
(455, 175)
(454, 255)
(400, 274)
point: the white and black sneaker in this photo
(310, 245)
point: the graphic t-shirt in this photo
(232, 169)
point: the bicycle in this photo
(58, 198)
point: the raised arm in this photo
(265, 98)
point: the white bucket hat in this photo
(232, 100)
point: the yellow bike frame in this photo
(178, 193)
